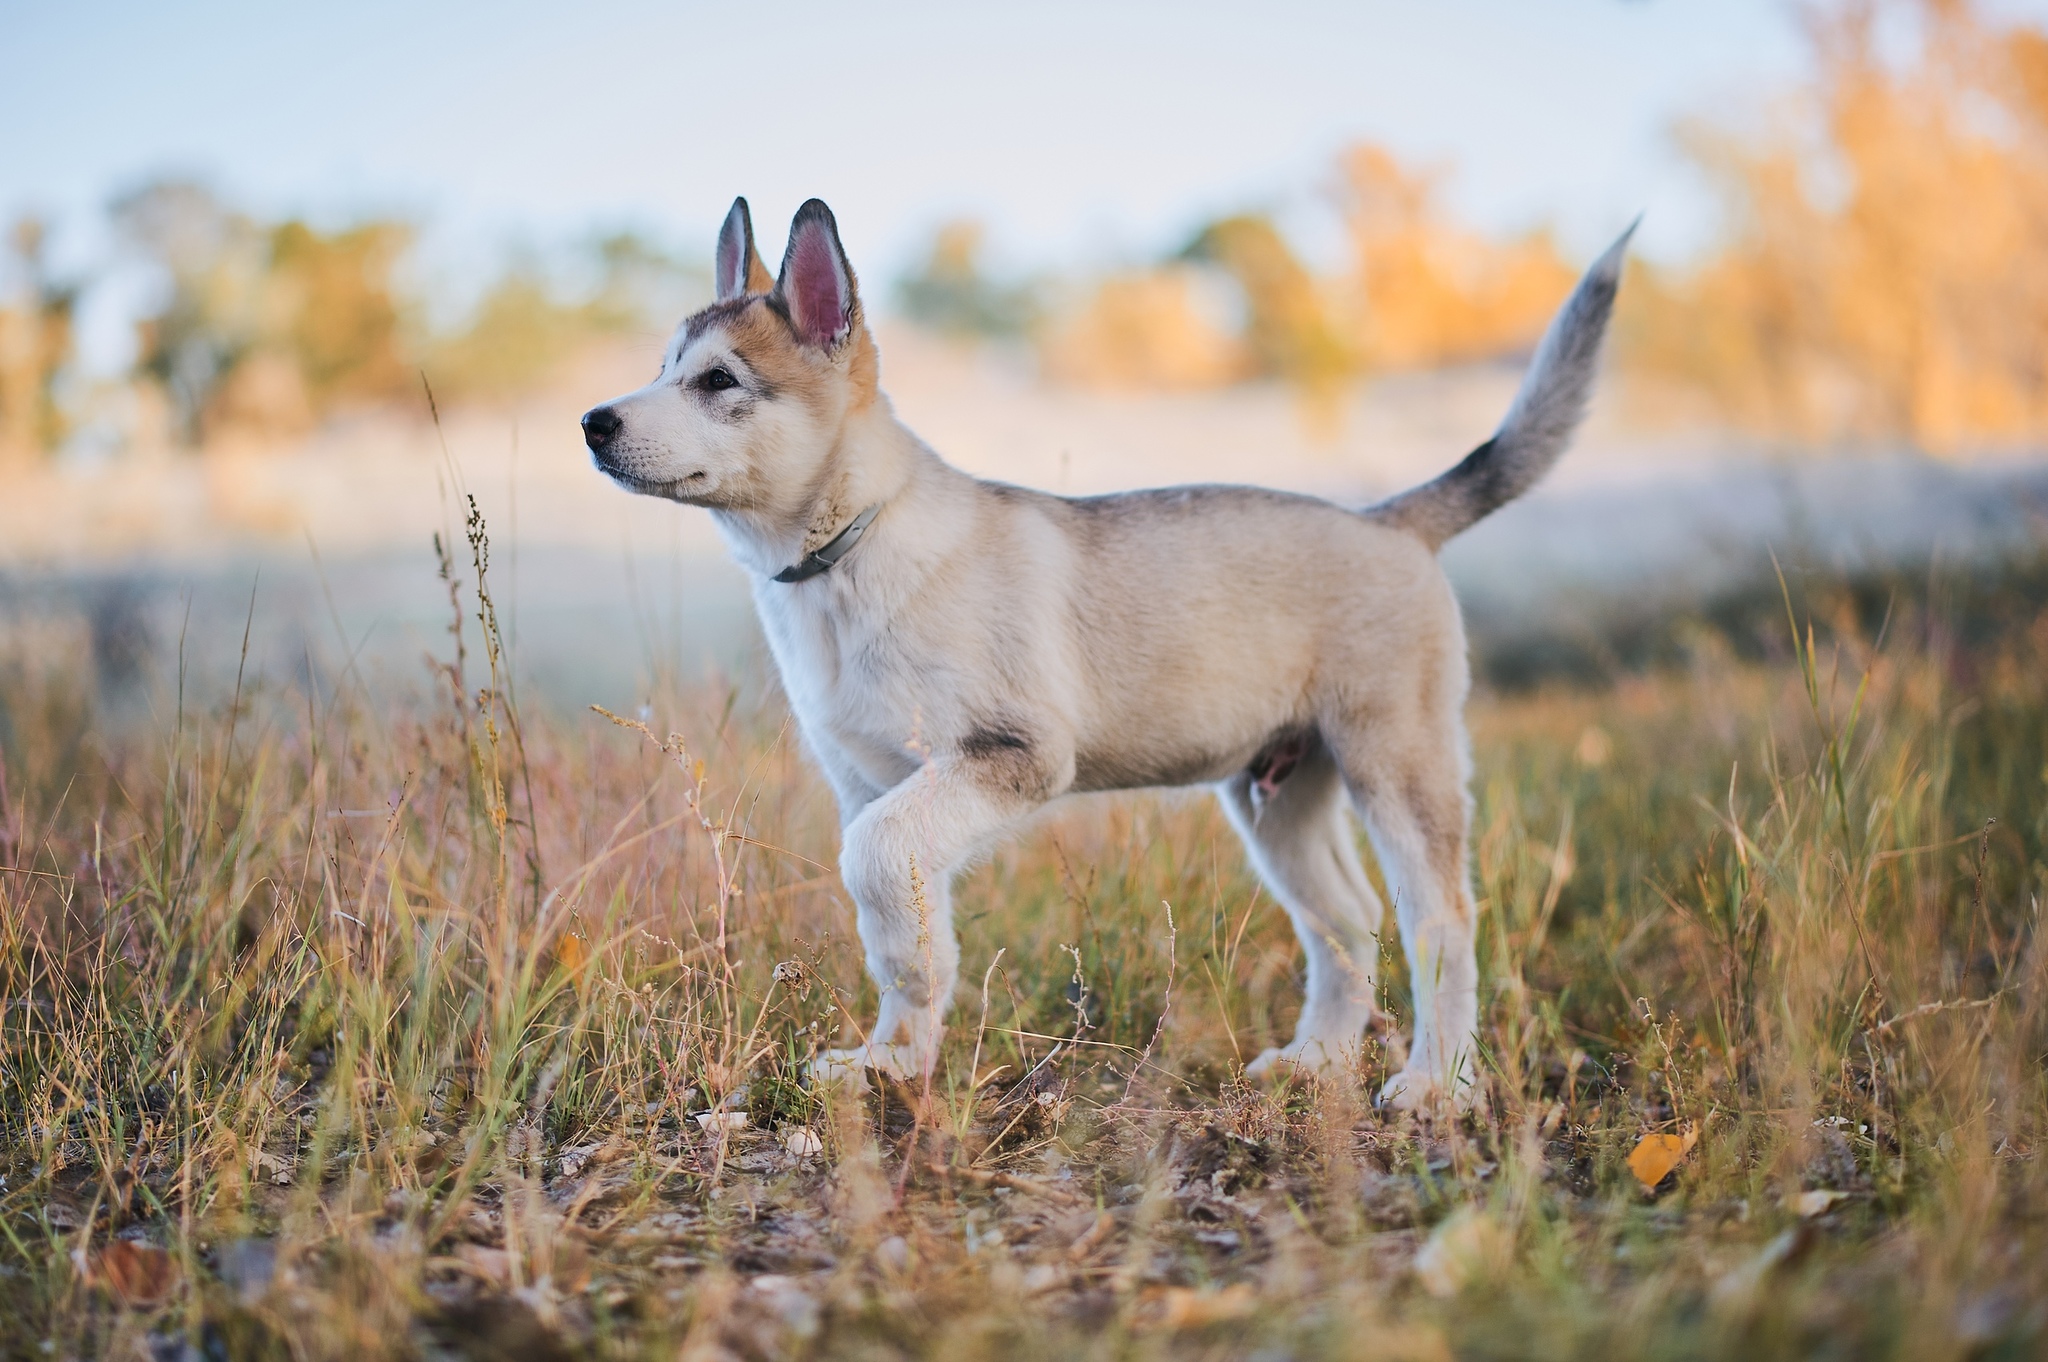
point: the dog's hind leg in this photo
(898, 857)
(1409, 784)
(1300, 840)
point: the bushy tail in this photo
(1538, 426)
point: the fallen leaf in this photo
(1656, 1155)
(493, 1265)
(135, 1274)
(263, 1161)
(1180, 1307)
(572, 951)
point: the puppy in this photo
(959, 653)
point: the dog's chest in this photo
(859, 689)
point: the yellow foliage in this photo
(1419, 292)
(335, 310)
(21, 385)
(265, 328)
(1144, 330)
(572, 951)
(1287, 326)
(1885, 276)
(519, 333)
(35, 344)
(1424, 292)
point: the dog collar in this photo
(823, 559)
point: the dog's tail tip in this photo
(1608, 266)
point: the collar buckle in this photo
(825, 557)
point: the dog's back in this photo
(1198, 621)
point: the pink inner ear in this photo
(732, 263)
(816, 289)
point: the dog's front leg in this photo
(898, 857)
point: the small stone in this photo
(1464, 1248)
(573, 1161)
(1043, 1277)
(893, 1254)
(803, 1142)
(790, 1302)
(247, 1267)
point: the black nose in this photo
(600, 424)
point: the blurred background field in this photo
(1831, 346)
(364, 993)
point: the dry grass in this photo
(353, 1024)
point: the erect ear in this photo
(817, 283)
(738, 267)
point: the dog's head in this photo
(753, 390)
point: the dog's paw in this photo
(851, 1066)
(1271, 1063)
(1425, 1094)
(1311, 1056)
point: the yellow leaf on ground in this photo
(1180, 1307)
(571, 951)
(1656, 1155)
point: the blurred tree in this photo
(333, 307)
(212, 262)
(1420, 292)
(528, 323)
(1885, 275)
(35, 346)
(1286, 326)
(518, 332)
(642, 286)
(949, 292)
(1425, 292)
(1146, 330)
(265, 330)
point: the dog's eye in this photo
(716, 380)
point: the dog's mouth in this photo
(632, 481)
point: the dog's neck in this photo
(873, 458)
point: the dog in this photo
(960, 653)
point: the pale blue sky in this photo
(1071, 127)
(1080, 131)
